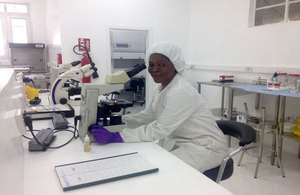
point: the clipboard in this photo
(92, 172)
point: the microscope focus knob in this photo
(63, 101)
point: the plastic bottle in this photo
(87, 144)
(293, 80)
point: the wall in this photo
(220, 36)
(37, 25)
(53, 30)
(92, 19)
(222, 43)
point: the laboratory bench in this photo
(33, 173)
(174, 176)
(280, 95)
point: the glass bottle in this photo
(87, 144)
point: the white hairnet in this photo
(171, 51)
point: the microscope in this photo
(57, 70)
(68, 84)
(104, 112)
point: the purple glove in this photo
(103, 136)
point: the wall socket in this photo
(248, 69)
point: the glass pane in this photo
(19, 30)
(294, 11)
(1, 7)
(16, 8)
(270, 15)
(262, 3)
(1, 39)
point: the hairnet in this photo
(171, 51)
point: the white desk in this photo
(174, 176)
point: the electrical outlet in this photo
(249, 69)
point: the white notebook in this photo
(97, 171)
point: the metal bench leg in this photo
(260, 152)
(261, 143)
(277, 151)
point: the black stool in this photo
(245, 134)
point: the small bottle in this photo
(87, 144)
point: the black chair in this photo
(245, 134)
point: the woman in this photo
(177, 116)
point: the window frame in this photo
(253, 10)
(4, 38)
(7, 27)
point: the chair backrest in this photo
(243, 132)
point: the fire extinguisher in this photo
(84, 61)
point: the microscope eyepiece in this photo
(135, 70)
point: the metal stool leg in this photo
(241, 157)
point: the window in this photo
(273, 11)
(14, 25)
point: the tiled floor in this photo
(269, 180)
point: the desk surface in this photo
(220, 84)
(262, 89)
(174, 176)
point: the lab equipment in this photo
(128, 47)
(28, 57)
(41, 141)
(68, 85)
(35, 101)
(241, 118)
(87, 144)
(46, 112)
(103, 136)
(283, 79)
(104, 112)
(59, 122)
(86, 173)
(60, 69)
(293, 78)
(226, 78)
(260, 81)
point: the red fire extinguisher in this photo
(84, 61)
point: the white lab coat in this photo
(182, 123)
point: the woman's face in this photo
(161, 69)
